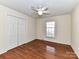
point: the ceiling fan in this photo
(41, 10)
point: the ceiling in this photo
(56, 7)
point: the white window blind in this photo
(50, 29)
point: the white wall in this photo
(63, 29)
(30, 26)
(75, 30)
(31, 29)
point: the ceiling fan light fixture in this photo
(40, 12)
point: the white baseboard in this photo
(2, 52)
(75, 51)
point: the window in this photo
(50, 29)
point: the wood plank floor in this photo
(39, 49)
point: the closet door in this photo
(15, 31)
(22, 34)
(11, 32)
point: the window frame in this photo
(46, 29)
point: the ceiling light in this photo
(40, 12)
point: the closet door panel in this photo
(22, 31)
(11, 32)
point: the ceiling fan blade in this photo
(34, 9)
(45, 8)
(46, 12)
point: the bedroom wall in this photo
(30, 26)
(75, 30)
(63, 29)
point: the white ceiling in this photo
(56, 7)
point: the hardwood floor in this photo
(39, 49)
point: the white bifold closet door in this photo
(15, 31)
(22, 31)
